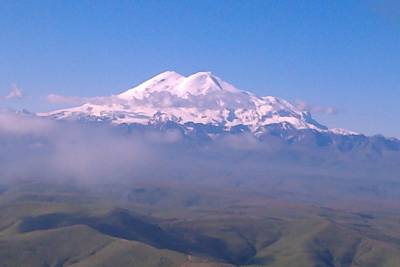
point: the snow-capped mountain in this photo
(198, 99)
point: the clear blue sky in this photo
(344, 54)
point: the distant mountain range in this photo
(203, 106)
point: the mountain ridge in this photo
(200, 98)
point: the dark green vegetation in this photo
(150, 224)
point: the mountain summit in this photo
(200, 83)
(201, 99)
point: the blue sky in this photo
(341, 54)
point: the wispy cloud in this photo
(15, 93)
(78, 100)
(62, 99)
(315, 109)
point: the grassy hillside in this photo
(56, 225)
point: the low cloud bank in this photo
(37, 148)
(33, 148)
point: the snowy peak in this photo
(165, 81)
(203, 83)
(201, 98)
(200, 83)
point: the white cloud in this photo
(79, 100)
(17, 124)
(15, 93)
(315, 109)
(61, 99)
